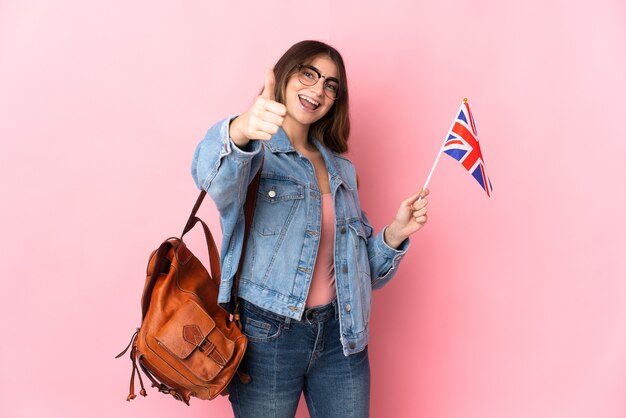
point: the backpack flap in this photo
(192, 338)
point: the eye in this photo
(332, 86)
(309, 74)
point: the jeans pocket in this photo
(259, 327)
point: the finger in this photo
(270, 83)
(268, 127)
(271, 117)
(411, 199)
(261, 126)
(420, 212)
(421, 203)
(260, 135)
(422, 194)
(275, 107)
(260, 113)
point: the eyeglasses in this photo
(309, 76)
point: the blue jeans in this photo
(286, 357)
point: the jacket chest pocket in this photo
(277, 201)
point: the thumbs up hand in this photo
(262, 119)
(270, 84)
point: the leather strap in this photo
(160, 263)
(214, 255)
(249, 207)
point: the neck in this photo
(298, 134)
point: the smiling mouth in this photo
(308, 103)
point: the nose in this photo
(318, 87)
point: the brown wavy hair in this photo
(334, 128)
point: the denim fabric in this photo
(284, 238)
(286, 357)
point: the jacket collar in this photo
(335, 174)
(280, 143)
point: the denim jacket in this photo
(282, 245)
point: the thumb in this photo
(270, 83)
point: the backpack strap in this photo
(249, 207)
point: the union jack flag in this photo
(462, 145)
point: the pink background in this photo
(505, 307)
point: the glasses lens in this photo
(307, 76)
(331, 88)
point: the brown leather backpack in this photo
(187, 344)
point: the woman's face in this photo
(308, 104)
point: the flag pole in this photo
(441, 149)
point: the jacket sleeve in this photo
(383, 259)
(223, 169)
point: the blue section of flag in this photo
(457, 154)
(478, 175)
(462, 117)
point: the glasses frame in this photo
(319, 76)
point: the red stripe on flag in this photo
(474, 154)
(471, 118)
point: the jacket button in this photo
(343, 230)
(352, 345)
(348, 309)
(272, 193)
(345, 269)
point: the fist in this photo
(410, 218)
(264, 117)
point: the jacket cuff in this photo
(386, 251)
(231, 149)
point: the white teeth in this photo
(308, 99)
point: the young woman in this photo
(311, 260)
